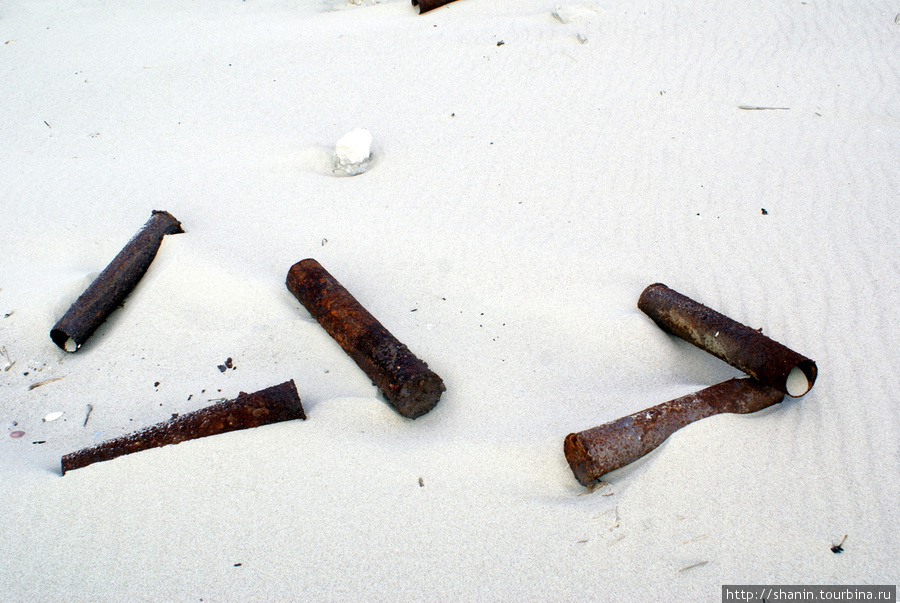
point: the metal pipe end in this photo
(801, 378)
(173, 225)
(64, 341)
(579, 459)
(418, 395)
(427, 5)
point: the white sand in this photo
(521, 195)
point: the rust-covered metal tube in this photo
(740, 346)
(427, 5)
(405, 380)
(271, 405)
(112, 286)
(599, 450)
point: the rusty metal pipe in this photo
(740, 346)
(599, 450)
(427, 5)
(405, 381)
(112, 286)
(271, 405)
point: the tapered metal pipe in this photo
(271, 405)
(427, 5)
(112, 286)
(599, 450)
(405, 381)
(740, 346)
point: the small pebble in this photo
(352, 152)
(16, 434)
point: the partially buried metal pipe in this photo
(599, 450)
(271, 405)
(427, 5)
(405, 380)
(740, 346)
(112, 286)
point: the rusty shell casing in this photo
(112, 286)
(599, 450)
(740, 346)
(405, 380)
(427, 5)
(271, 405)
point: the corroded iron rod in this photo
(427, 5)
(112, 286)
(271, 405)
(594, 452)
(405, 380)
(740, 346)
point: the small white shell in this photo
(53, 416)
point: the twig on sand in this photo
(45, 382)
(9, 361)
(839, 547)
(751, 108)
(615, 525)
(88, 415)
(684, 569)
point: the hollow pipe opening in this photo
(801, 378)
